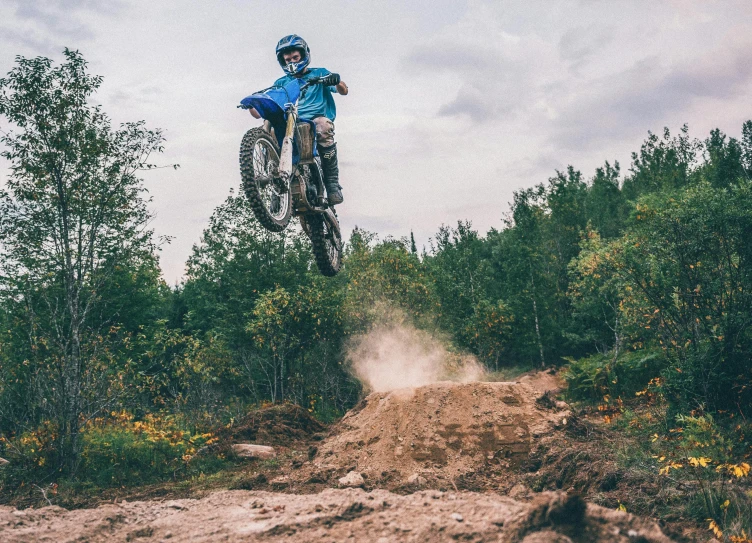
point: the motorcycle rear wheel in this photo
(270, 200)
(327, 244)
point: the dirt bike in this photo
(281, 172)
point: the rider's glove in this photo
(331, 79)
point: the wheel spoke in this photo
(269, 197)
(274, 198)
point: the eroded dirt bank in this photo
(333, 515)
(440, 431)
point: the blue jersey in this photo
(318, 100)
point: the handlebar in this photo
(310, 82)
(331, 79)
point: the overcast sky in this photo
(453, 104)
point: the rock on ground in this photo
(352, 480)
(333, 515)
(248, 450)
(416, 479)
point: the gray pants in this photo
(324, 131)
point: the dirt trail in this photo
(418, 441)
(333, 515)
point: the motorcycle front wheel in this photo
(327, 244)
(269, 197)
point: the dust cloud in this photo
(398, 355)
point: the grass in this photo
(691, 471)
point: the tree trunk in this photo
(535, 314)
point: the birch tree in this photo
(72, 214)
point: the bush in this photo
(120, 451)
(116, 451)
(689, 255)
(599, 375)
(711, 458)
(32, 452)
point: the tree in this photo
(236, 261)
(465, 285)
(280, 320)
(598, 295)
(689, 255)
(747, 149)
(662, 164)
(382, 276)
(725, 160)
(605, 204)
(73, 218)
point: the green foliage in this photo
(689, 256)
(463, 282)
(725, 165)
(290, 332)
(597, 295)
(279, 322)
(116, 450)
(235, 262)
(182, 373)
(74, 229)
(530, 259)
(121, 451)
(597, 376)
(710, 457)
(606, 205)
(384, 272)
(663, 164)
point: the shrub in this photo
(711, 458)
(599, 375)
(116, 451)
(121, 451)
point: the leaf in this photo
(699, 462)
(715, 528)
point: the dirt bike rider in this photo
(317, 105)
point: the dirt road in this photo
(333, 515)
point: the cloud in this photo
(579, 44)
(470, 101)
(43, 25)
(465, 58)
(30, 40)
(372, 223)
(647, 93)
(496, 77)
(138, 95)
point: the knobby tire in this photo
(251, 180)
(328, 256)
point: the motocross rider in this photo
(317, 105)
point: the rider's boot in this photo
(331, 174)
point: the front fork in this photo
(285, 159)
(285, 169)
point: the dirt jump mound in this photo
(438, 431)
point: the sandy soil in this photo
(439, 431)
(333, 515)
